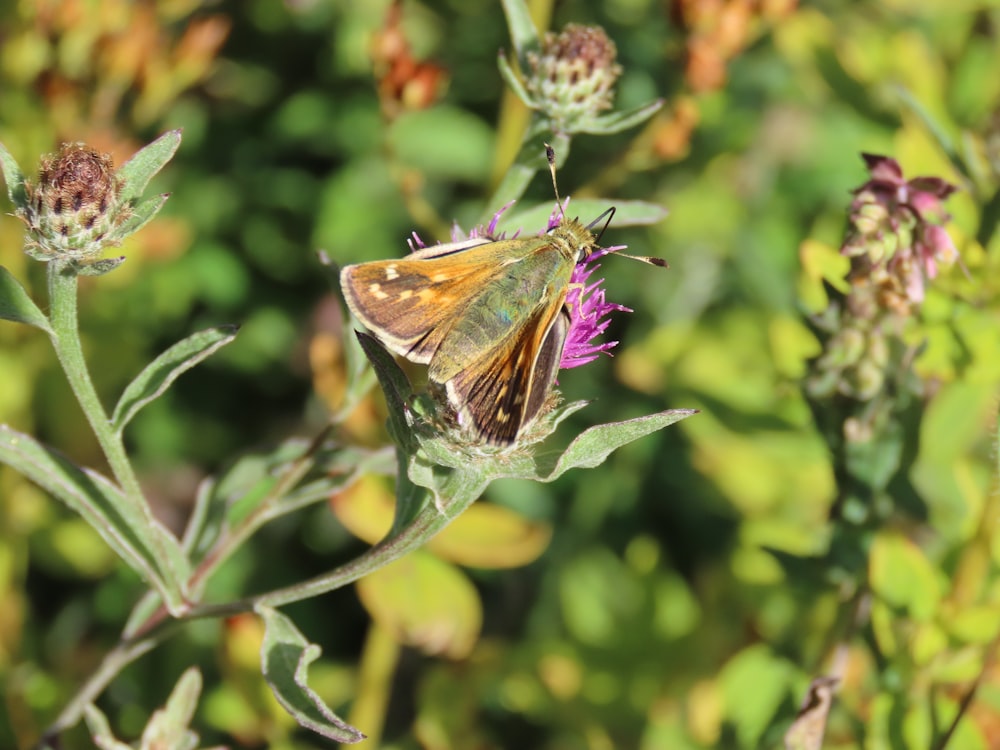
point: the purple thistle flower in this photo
(589, 313)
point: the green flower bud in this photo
(74, 207)
(866, 380)
(572, 79)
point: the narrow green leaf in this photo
(145, 163)
(14, 178)
(595, 444)
(144, 608)
(140, 217)
(102, 505)
(627, 214)
(360, 377)
(285, 659)
(457, 479)
(157, 376)
(395, 386)
(514, 81)
(168, 727)
(616, 122)
(100, 729)
(337, 470)
(17, 306)
(98, 267)
(522, 29)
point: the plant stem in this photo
(530, 159)
(424, 526)
(66, 340)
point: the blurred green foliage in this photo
(677, 605)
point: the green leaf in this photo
(616, 122)
(522, 29)
(514, 81)
(754, 683)
(901, 574)
(425, 603)
(360, 377)
(285, 659)
(443, 142)
(492, 536)
(458, 478)
(595, 444)
(168, 727)
(140, 216)
(100, 729)
(98, 267)
(627, 214)
(157, 376)
(17, 306)
(337, 470)
(14, 178)
(396, 388)
(138, 541)
(145, 163)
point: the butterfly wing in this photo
(410, 303)
(504, 391)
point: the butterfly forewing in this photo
(411, 304)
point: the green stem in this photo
(66, 340)
(530, 159)
(63, 287)
(426, 524)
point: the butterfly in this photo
(487, 316)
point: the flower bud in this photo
(74, 206)
(572, 79)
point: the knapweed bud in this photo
(74, 207)
(572, 78)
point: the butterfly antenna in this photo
(550, 157)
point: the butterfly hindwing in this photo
(507, 388)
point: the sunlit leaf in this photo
(902, 575)
(426, 603)
(490, 536)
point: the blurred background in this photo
(655, 613)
